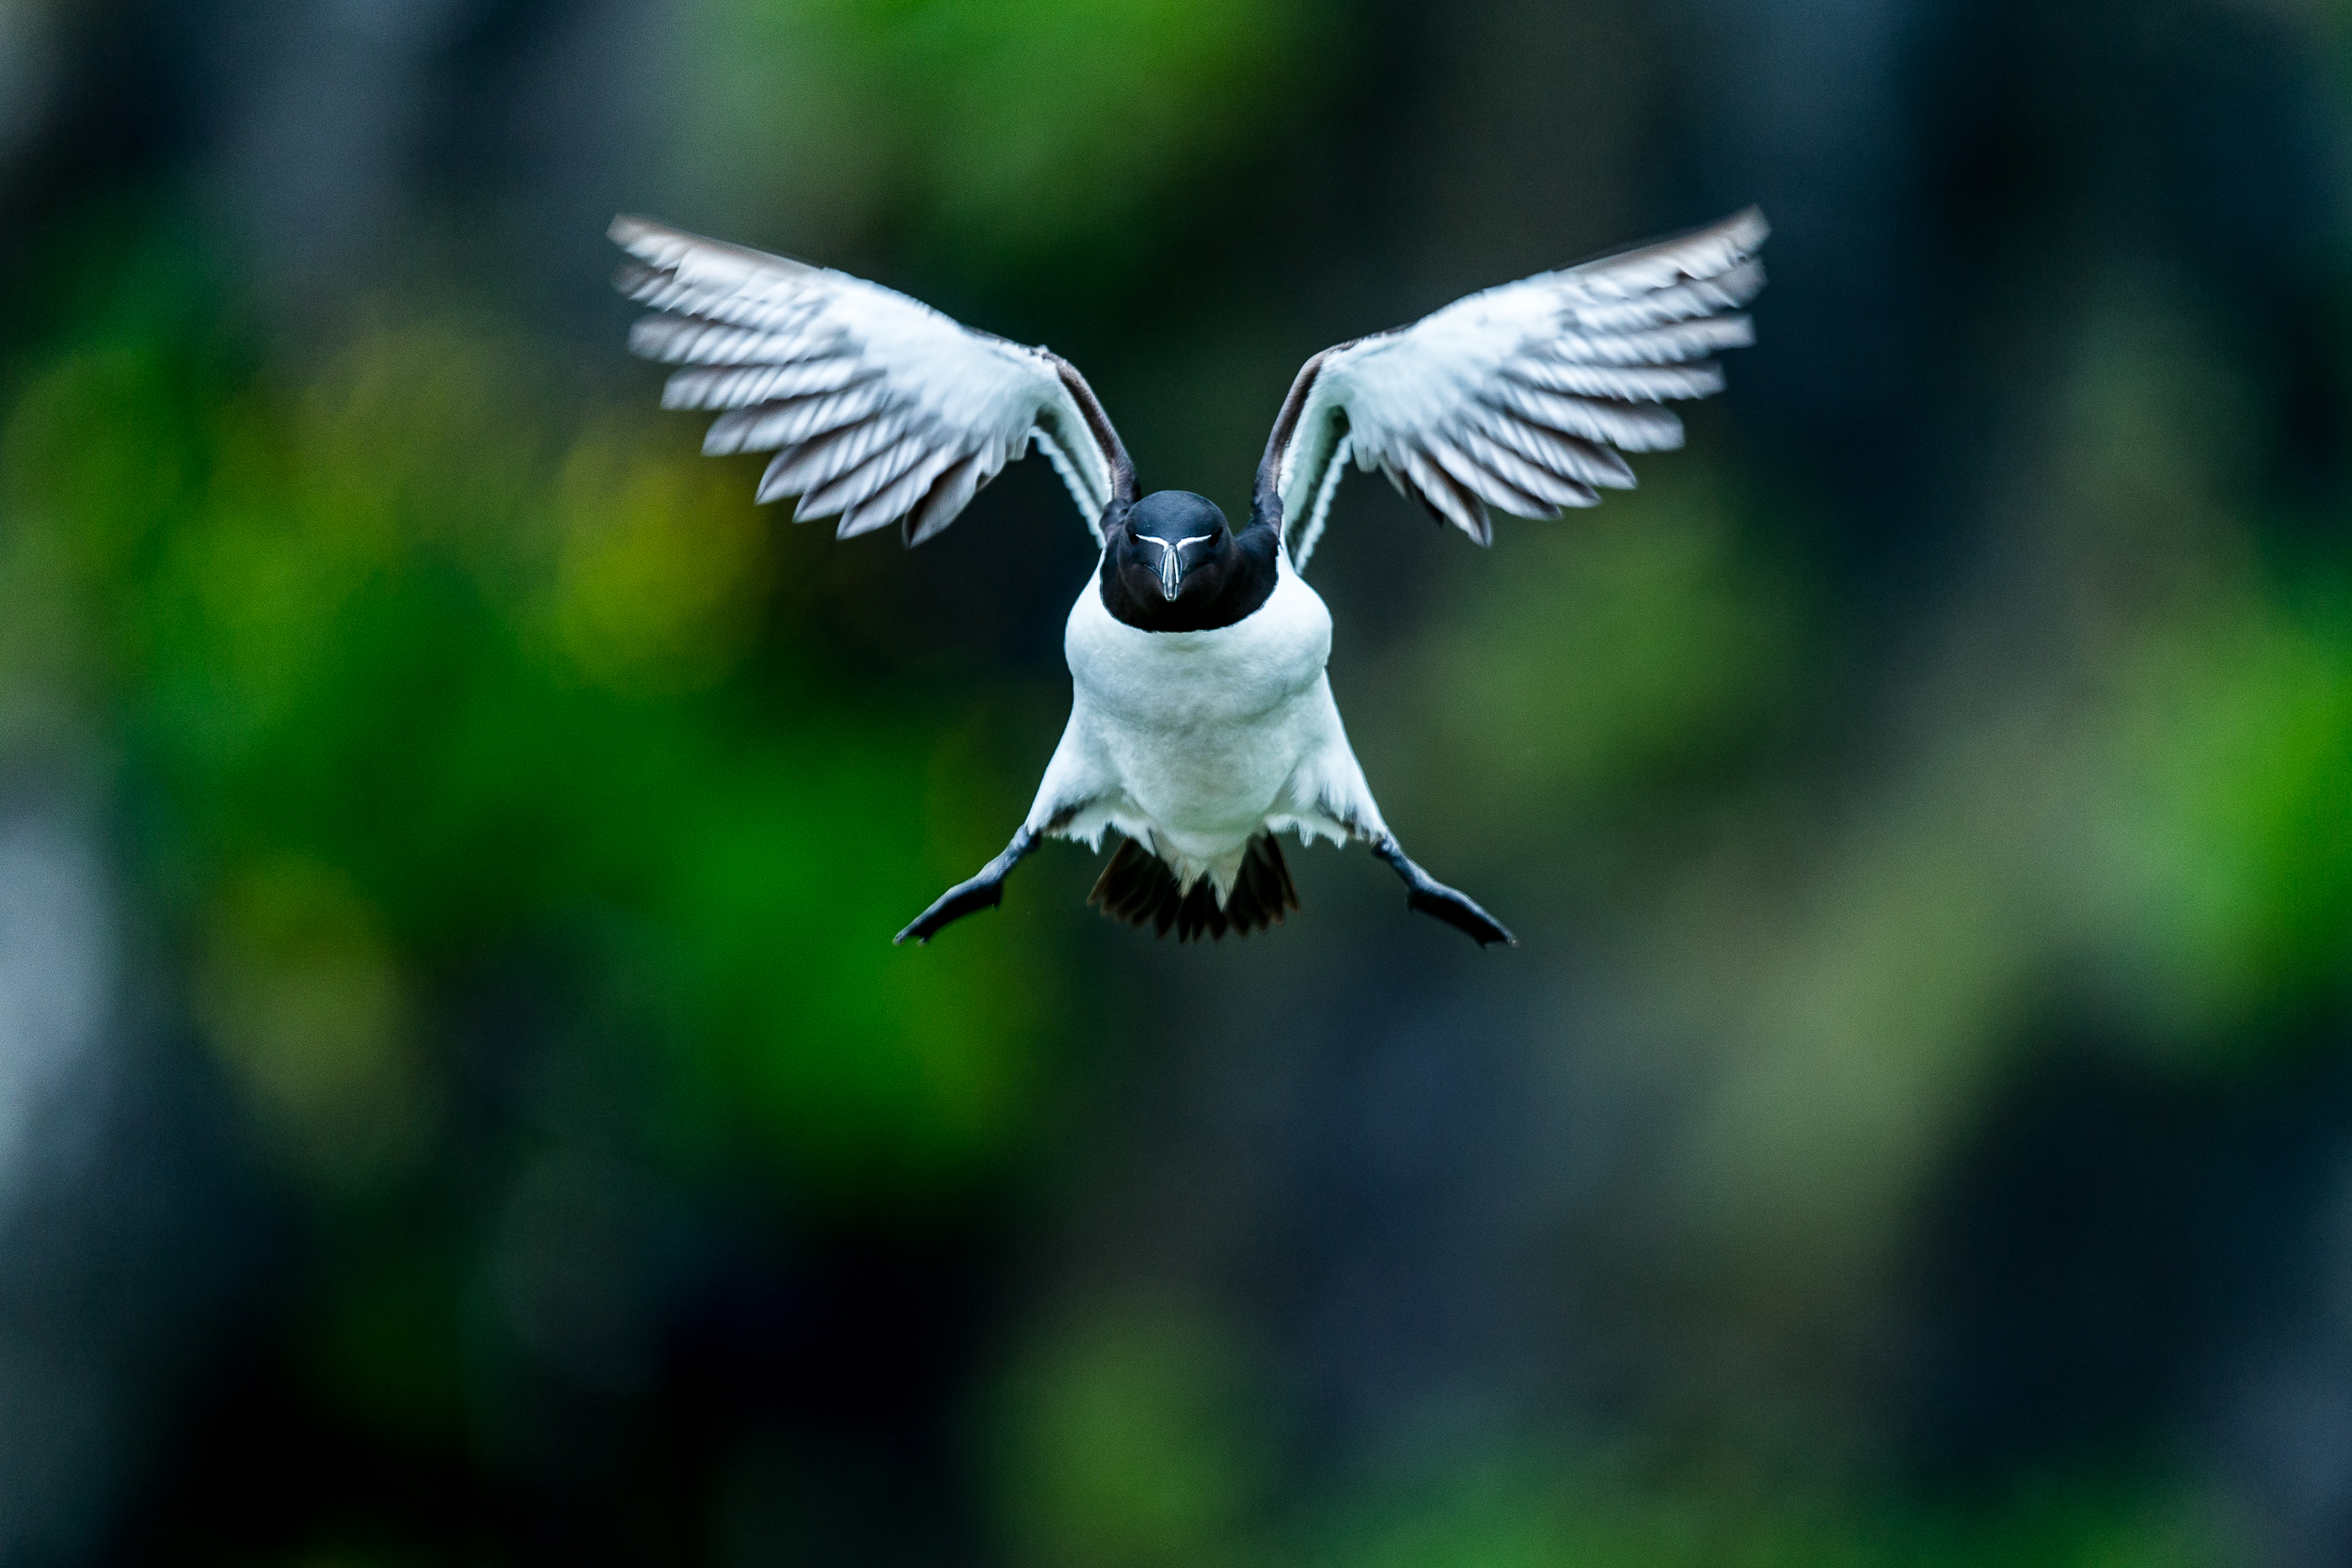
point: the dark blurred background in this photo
(459, 1104)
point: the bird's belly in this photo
(1204, 730)
(1213, 778)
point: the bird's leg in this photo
(982, 892)
(1433, 897)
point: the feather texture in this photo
(878, 407)
(1521, 398)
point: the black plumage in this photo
(1137, 887)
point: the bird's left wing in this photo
(878, 407)
(1523, 397)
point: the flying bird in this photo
(1201, 723)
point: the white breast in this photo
(1181, 680)
(1204, 730)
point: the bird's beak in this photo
(1172, 572)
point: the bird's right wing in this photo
(1521, 397)
(878, 407)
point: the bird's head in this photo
(1170, 546)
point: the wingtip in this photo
(1748, 228)
(630, 230)
(698, 257)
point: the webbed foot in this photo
(1433, 897)
(982, 892)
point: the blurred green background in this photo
(459, 1104)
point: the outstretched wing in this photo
(1523, 397)
(877, 407)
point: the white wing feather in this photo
(1521, 397)
(877, 407)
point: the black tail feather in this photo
(1137, 887)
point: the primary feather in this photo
(879, 408)
(1514, 398)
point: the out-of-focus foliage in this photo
(1129, 1438)
(1915, 1131)
(1514, 1517)
(405, 669)
(1607, 665)
(1036, 131)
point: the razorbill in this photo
(1202, 723)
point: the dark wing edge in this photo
(879, 409)
(1524, 397)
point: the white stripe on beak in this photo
(1171, 562)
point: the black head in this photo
(1170, 563)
